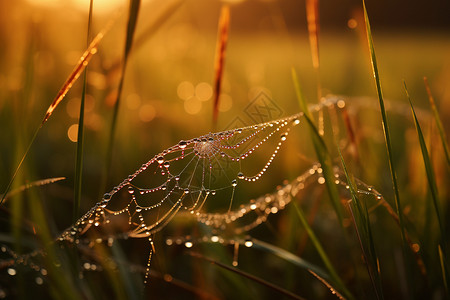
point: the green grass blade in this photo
(428, 168)
(131, 26)
(432, 185)
(438, 122)
(321, 150)
(384, 120)
(80, 138)
(364, 232)
(334, 277)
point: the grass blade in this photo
(384, 122)
(312, 16)
(334, 277)
(288, 256)
(364, 232)
(32, 184)
(80, 134)
(433, 187)
(443, 269)
(321, 151)
(222, 39)
(81, 65)
(131, 26)
(438, 121)
(248, 275)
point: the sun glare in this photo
(82, 5)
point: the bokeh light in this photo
(72, 133)
(147, 113)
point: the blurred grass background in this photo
(167, 97)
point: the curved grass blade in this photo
(328, 285)
(361, 222)
(288, 256)
(248, 275)
(32, 184)
(334, 277)
(222, 39)
(81, 65)
(433, 188)
(438, 122)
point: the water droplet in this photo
(188, 244)
(12, 271)
(130, 190)
(166, 164)
(39, 281)
(214, 239)
(213, 192)
(160, 159)
(107, 196)
(283, 137)
(177, 178)
(182, 144)
(240, 175)
(296, 121)
(248, 243)
(234, 182)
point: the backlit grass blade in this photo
(169, 8)
(432, 185)
(33, 184)
(81, 65)
(312, 16)
(361, 221)
(334, 277)
(80, 134)
(438, 121)
(384, 122)
(289, 257)
(222, 39)
(321, 151)
(247, 275)
(131, 26)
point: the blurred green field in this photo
(168, 97)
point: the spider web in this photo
(183, 178)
